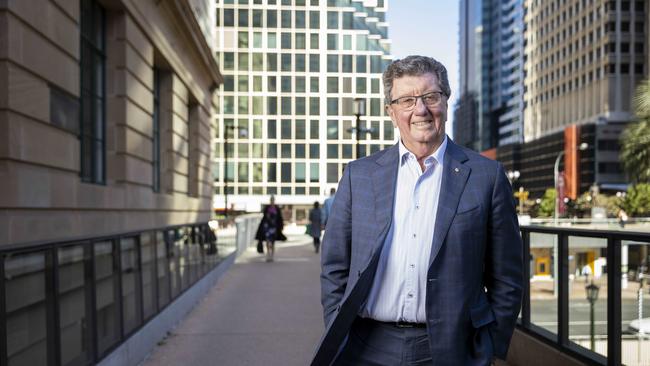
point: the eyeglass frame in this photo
(396, 100)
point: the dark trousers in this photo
(381, 344)
(316, 243)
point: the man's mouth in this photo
(421, 123)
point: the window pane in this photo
(242, 172)
(300, 172)
(314, 64)
(300, 19)
(332, 84)
(25, 309)
(587, 261)
(300, 129)
(286, 18)
(130, 271)
(332, 20)
(332, 130)
(285, 62)
(163, 266)
(314, 151)
(313, 41)
(301, 41)
(271, 131)
(286, 151)
(105, 296)
(73, 324)
(332, 173)
(313, 129)
(272, 151)
(332, 106)
(313, 172)
(300, 151)
(271, 172)
(313, 85)
(314, 19)
(257, 172)
(286, 172)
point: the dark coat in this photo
(279, 225)
(315, 222)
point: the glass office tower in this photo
(292, 70)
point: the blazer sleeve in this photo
(504, 264)
(335, 248)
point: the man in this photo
(327, 206)
(422, 256)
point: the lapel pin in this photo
(456, 170)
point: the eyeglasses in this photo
(431, 99)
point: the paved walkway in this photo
(257, 314)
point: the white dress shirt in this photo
(398, 292)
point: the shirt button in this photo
(417, 207)
(412, 265)
(414, 235)
(410, 295)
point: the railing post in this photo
(3, 315)
(613, 301)
(525, 307)
(563, 289)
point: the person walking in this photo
(422, 260)
(327, 206)
(315, 225)
(270, 229)
(622, 218)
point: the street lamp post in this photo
(640, 333)
(242, 132)
(592, 297)
(583, 146)
(359, 110)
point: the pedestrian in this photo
(315, 225)
(622, 218)
(422, 259)
(327, 206)
(270, 228)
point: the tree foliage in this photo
(637, 200)
(547, 206)
(635, 139)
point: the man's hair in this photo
(415, 66)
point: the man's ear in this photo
(391, 113)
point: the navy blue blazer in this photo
(475, 276)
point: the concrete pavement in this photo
(258, 313)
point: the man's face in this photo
(420, 125)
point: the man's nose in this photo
(420, 108)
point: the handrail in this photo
(560, 339)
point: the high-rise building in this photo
(489, 112)
(292, 70)
(583, 62)
(466, 112)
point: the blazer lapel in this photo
(454, 178)
(384, 179)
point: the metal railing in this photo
(561, 261)
(74, 302)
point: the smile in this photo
(421, 123)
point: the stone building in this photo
(105, 187)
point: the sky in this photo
(427, 28)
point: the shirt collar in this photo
(438, 155)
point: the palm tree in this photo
(635, 140)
